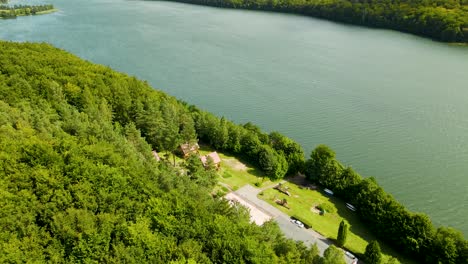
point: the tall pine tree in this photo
(342, 233)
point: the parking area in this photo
(256, 214)
(261, 211)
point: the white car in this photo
(347, 253)
(298, 223)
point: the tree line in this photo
(411, 233)
(440, 20)
(276, 154)
(22, 10)
(79, 184)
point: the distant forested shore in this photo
(439, 20)
(23, 10)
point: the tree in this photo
(445, 245)
(393, 260)
(272, 163)
(187, 130)
(373, 255)
(342, 233)
(333, 255)
(322, 166)
(78, 182)
(291, 150)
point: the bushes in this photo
(329, 208)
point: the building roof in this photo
(189, 148)
(214, 156)
(155, 155)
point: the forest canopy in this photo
(78, 182)
(445, 20)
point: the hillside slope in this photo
(78, 182)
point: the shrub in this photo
(327, 207)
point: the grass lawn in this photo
(302, 201)
(235, 173)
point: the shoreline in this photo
(31, 14)
(46, 12)
(315, 13)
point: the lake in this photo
(392, 105)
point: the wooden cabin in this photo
(188, 149)
(214, 156)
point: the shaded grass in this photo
(302, 202)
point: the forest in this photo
(79, 184)
(22, 10)
(445, 20)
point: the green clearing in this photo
(302, 202)
(235, 173)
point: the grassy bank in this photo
(302, 202)
(235, 173)
(47, 11)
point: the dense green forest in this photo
(443, 20)
(412, 233)
(78, 182)
(23, 10)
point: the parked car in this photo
(298, 223)
(347, 253)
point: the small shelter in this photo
(214, 156)
(188, 149)
(155, 155)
